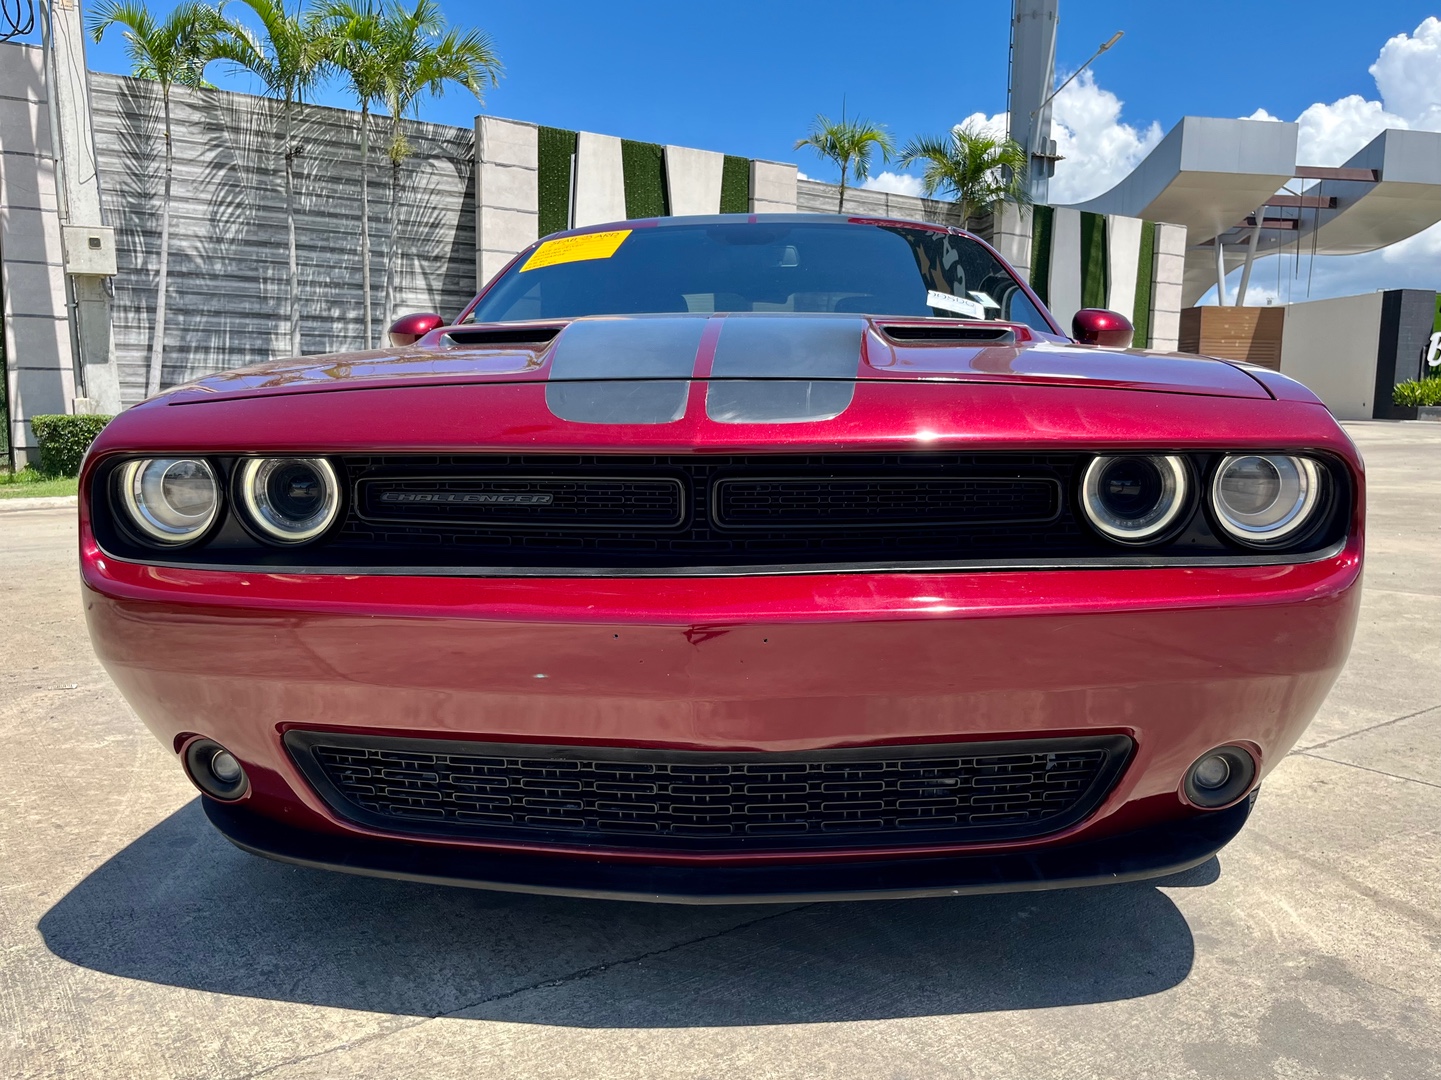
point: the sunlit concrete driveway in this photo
(136, 943)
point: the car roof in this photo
(763, 219)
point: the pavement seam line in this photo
(1365, 768)
(545, 984)
(1373, 727)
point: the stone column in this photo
(599, 180)
(1011, 236)
(507, 201)
(39, 355)
(1123, 270)
(1170, 270)
(693, 180)
(773, 188)
(1065, 284)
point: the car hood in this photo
(666, 349)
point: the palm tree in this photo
(422, 58)
(172, 52)
(351, 37)
(287, 60)
(849, 145)
(976, 166)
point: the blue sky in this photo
(747, 78)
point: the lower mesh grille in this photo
(888, 796)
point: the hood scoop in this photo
(499, 337)
(943, 334)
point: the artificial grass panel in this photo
(644, 167)
(1041, 221)
(555, 151)
(1093, 260)
(1145, 281)
(735, 185)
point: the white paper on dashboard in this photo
(984, 299)
(959, 304)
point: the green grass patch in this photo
(29, 484)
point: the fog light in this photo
(1220, 777)
(227, 770)
(1211, 772)
(215, 770)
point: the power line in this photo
(17, 18)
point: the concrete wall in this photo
(39, 364)
(815, 197)
(1330, 345)
(229, 286)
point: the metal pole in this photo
(1220, 273)
(78, 189)
(1250, 258)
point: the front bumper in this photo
(1140, 855)
(1180, 660)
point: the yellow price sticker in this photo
(596, 245)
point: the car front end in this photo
(603, 605)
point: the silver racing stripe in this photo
(784, 369)
(641, 401)
(768, 368)
(624, 370)
(777, 401)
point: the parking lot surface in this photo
(135, 942)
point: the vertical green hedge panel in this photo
(1041, 219)
(1145, 278)
(735, 185)
(555, 149)
(644, 168)
(1093, 260)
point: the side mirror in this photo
(408, 329)
(1097, 326)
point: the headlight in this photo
(287, 500)
(1263, 499)
(1135, 498)
(169, 501)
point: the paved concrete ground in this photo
(135, 942)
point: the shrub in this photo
(63, 441)
(1418, 392)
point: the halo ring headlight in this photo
(288, 500)
(1265, 499)
(169, 502)
(1135, 498)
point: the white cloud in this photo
(1408, 79)
(1408, 75)
(895, 183)
(1096, 148)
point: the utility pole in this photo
(1033, 71)
(88, 244)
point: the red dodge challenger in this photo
(731, 559)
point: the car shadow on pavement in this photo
(181, 907)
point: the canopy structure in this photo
(1237, 188)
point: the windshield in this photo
(824, 266)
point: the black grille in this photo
(883, 502)
(771, 510)
(590, 502)
(890, 796)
